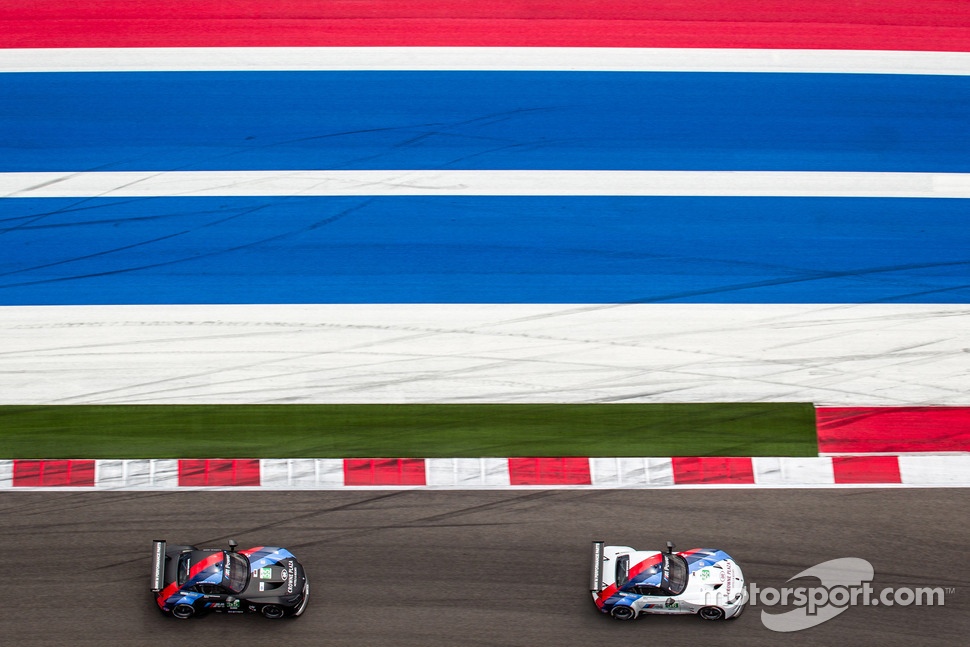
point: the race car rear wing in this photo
(596, 568)
(158, 565)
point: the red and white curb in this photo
(917, 470)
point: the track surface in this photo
(472, 568)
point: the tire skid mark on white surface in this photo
(830, 355)
(807, 184)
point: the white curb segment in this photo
(935, 470)
(792, 471)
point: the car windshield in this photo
(185, 561)
(236, 573)
(622, 570)
(675, 574)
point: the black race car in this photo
(189, 581)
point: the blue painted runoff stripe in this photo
(141, 121)
(483, 249)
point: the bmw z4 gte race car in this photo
(628, 583)
(189, 581)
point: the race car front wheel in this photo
(623, 613)
(711, 613)
(183, 611)
(272, 611)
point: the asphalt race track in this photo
(472, 568)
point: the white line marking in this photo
(141, 184)
(585, 59)
(829, 354)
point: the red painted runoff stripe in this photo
(866, 469)
(549, 471)
(712, 469)
(218, 472)
(53, 473)
(384, 471)
(856, 430)
(930, 25)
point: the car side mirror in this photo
(232, 545)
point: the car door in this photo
(655, 600)
(213, 597)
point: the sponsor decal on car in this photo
(290, 571)
(265, 573)
(158, 561)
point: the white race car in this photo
(627, 583)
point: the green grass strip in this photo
(415, 430)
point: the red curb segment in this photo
(213, 472)
(712, 469)
(55, 473)
(861, 430)
(384, 471)
(931, 25)
(866, 469)
(549, 471)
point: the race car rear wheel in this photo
(623, 613)
(272, 611)
(183, 611)
(711, 613)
